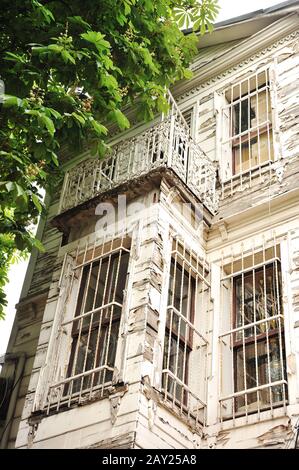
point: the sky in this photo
(232, 8)
(229, 9)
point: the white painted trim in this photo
(286, 250)
(213, 381)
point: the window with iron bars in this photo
(246, 122)
(253, 349)
(100, 275)
(185, 344)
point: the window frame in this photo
(55, 398)
(256, 339)
(172, 333)
(236, 278)
(226, 148)
(188, 261)
(231, 344)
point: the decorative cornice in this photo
(239, 56)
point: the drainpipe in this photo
(19, 359)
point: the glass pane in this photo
(176, 361)
(252, 140)
(89, 356)
(245, 310)
(181, 286)
(243, 115)
(257, 297)
(259, 370)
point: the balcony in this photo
(167, 144)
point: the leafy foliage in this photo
(69, 68)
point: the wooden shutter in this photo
(188, 116)
(223, 150)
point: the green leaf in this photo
(102, 148)
(99, 128)
(67, 57)
(39, 49)
(38, 244)
(121, 19)
(97, 39)
(43, 12)
(22, 202)
(120, 118)
(10, 101)
(55, 48)
(188, 74)
(10, 186)
(148, 60)
(109, 81)
(54, 158)
(54, 113)
(78, 20)
(20, 191)
(79, 118)
(20, 242)
(36, 202)
(47, 122)
(17, 159)
(15, 57)
(127, 8)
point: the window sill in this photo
(84, 400)
(254, 417)
(189, 419)
(246, 173)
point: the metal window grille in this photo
(252, 348)
(185, 345)
(247, 136)
(92, 327)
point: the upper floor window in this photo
(246, 125)
(185, 344)
(88, 349)
(253, 348)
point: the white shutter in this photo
(197, 373)
(188, 114)
(223, 150)
(58, 346)
(226, 348)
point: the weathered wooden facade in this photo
(165, 311)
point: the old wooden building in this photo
(165, 311)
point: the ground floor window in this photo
(92, 323)
(253, 349)
(185, 344)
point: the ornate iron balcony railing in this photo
(166, 144)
